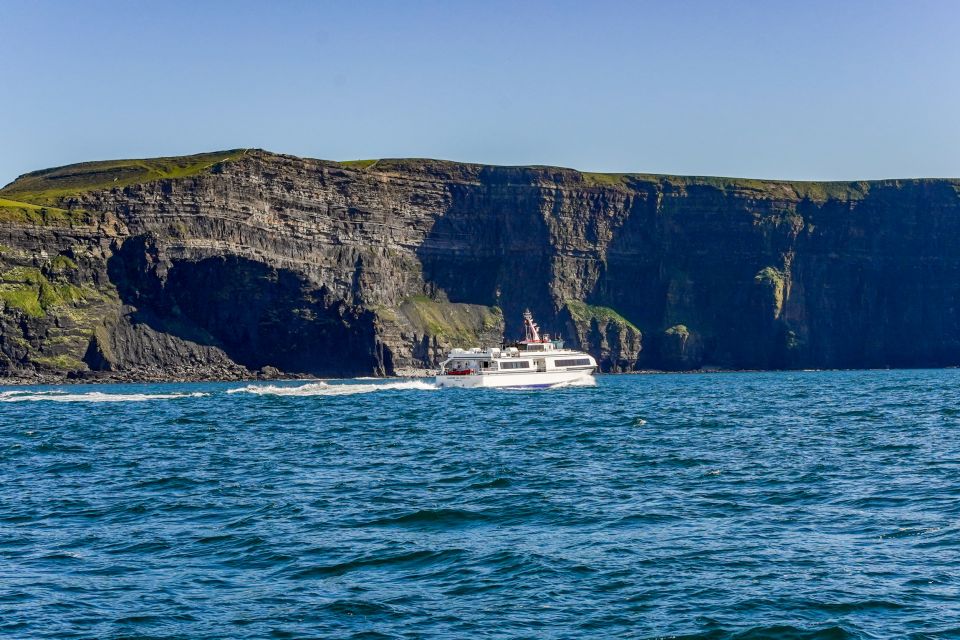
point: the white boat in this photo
(533, 363)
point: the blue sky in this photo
(812, 90)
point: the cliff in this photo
(225, 264)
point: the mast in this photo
(530, 328)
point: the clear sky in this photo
(802, 90)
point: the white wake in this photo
(582, 382)
(324, 389)
(92, 396)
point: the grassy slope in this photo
(26, 213)
(359, 164)
(49, 187)
(459, 323)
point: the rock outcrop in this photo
(229, 264)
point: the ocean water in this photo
(754, 505)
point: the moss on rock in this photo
(28, 290)
(680, 348)
(583, 312)
(24, 299)
(462, 325)
(612, 339)
(774, 282)
(62, 264)
(61, 362)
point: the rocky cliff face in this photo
(227, 264)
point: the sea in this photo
(729, 505)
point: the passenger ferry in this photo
(534, 363)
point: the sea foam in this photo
(324, 389)
(583, 382)
(93, 396)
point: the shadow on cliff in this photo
(257, 314)
(492, 247)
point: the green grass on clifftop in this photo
(359, 164)
(815, 191)
(50, 186)
(605, 179)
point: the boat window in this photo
(519, 364)
(571, 362)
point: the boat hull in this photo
(541, 380)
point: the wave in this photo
(441, 518)
(785, 632)
(7, 394)
(418, 559)
(583, 382)
(324, 389)
(93, 396)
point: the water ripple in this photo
(787, 505)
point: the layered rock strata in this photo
(226, 265)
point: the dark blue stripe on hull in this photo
(529, 386)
